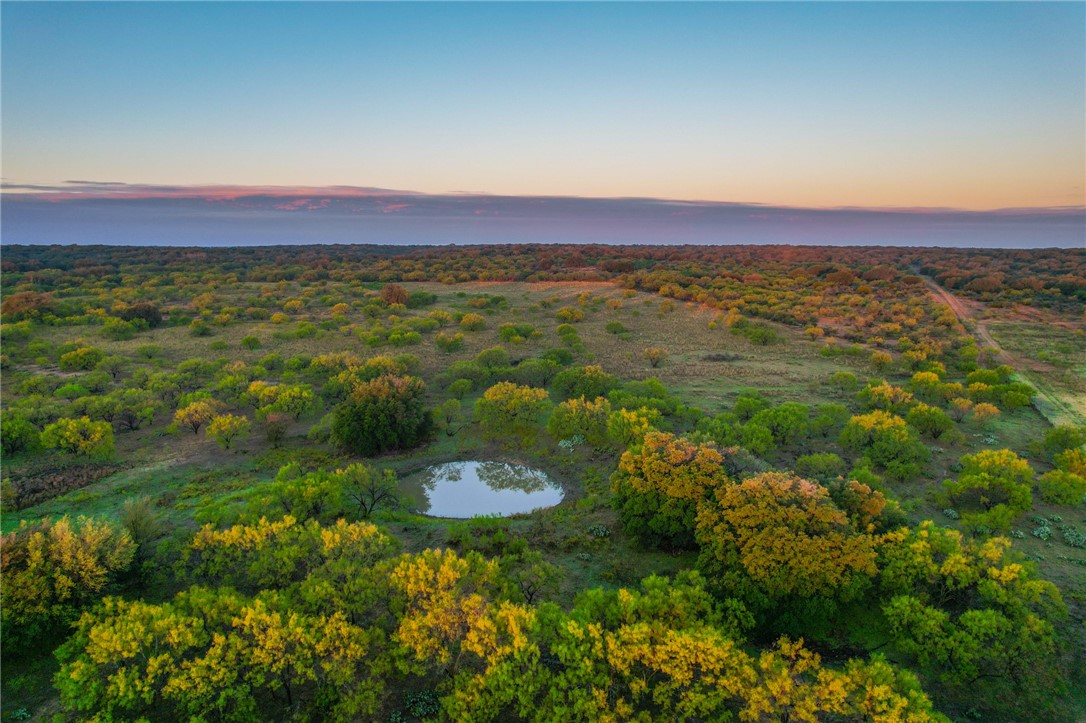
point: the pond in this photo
(469, 489)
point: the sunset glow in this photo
(978, 106)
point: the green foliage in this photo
(588, 382)
(658, 485)
(822, 466)
(1062, 488)
(53, 569)
(81, 437)
(17, 433)
(930, 421)
(507, 410)
(887, 441)
(81, 359)
(969, 613)
(992, 489)
(1061, 438)
(383, 414)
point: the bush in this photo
(80, 437)
(17, 433)
(51, 570)
(82, 359)
(1062, 488)
(383, 414)
(658, 485)
(225, 428)
(823, 466)
(495, 357)
(473, 322)
(992, 489)
(887, 441)
(510, 410)
(589, 382)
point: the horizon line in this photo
(121, 190)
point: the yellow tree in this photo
(658, 484)
(777, 536)
(51, 570)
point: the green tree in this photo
(383, 414)
(992, 489)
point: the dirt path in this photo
(1051, 406)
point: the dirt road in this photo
(1051, 406)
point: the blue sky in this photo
(889, 105)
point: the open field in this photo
(769, 372)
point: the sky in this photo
(970, 106)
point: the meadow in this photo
(791, 476)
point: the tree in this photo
(53, 569)
(225, 428)
(112, 365)
(1062, 487)
(382, 414)
(777, 536)
(511, 411)
(992, 489)
(588, 419)
(655, 355)
(658, 485)
(196, 414)
(928, 420)
(969, 612)
(79, 436)
(1061, 438)
(368, 488)
(218, 653)
(17, 433)
(81, 359)
(887, 440)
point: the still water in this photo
(468, 489)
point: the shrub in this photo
(930, 421)
(658, 485)
(822, 466)
(655, 355)
(51, 570)
(382, 414)
(510, 410)
(82, 359)
(887, 440)
(992, 489)
(80, 437)
(581, 417)
(473, 322)
(1062, 488)
(495, 357)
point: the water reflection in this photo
(468, 489)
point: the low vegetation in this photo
(792, 477)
